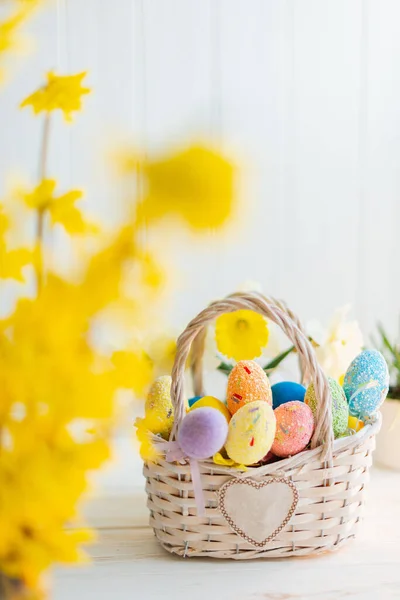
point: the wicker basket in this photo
(325, 484)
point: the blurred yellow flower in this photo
(62, 209)
(152, 274)
(148, 450)
(57, 387)
(162, 351)
(10, 25)
(8, 29)
(51, 380)
(196, 184)
(241, 334)
(62, 92)
(134, 370)
(101, 284)
(11, 261)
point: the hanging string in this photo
(62, 37)
(215, 124)
(63, 65)
(215, 71)
(139, 116)
(362, 161)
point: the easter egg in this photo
(340, 409)
(294, 428)
(193, 400)
(213, 403)
(159, 412)
(286, 391)
(251, 433)
(269, 458)
(247, 382)
(366, 383)
(355, 424)
(202, 433)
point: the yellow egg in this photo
(355, 423)
(159, 412)
(251, 433)
(213, 403)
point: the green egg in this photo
(340, 408)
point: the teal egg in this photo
(287, 391)
(193, 400)
(340, 408)
(366, 383)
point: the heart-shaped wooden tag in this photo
(258, 510)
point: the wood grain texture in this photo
(306, 92)
(129, 563)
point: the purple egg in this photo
(202, 433)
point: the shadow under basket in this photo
(305, 504)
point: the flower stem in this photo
(41, 212)
(10, 588)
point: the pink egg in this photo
(294, 428)
(269, 458)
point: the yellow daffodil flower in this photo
(148, 450)
(134, 370)
(162, 350)
(57, 388)
(10, 26)
(8, 29)
(62, 209)
(13, 261)
(61, 92)
(241, 334)
(197, 184)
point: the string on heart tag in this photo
(174, 453)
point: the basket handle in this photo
(198, 345)
(276, 312)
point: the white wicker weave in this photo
(330, 477)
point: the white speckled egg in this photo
(251, 433)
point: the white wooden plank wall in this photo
(307, 91)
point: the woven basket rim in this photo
(370, 428)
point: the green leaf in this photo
(391, 348)
(385, 340)
(278, 359)
(225, 368)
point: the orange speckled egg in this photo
(247, 383)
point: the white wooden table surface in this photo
(128, 563)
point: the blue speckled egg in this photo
(287, 391)
(366, 383)
(193, 400)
